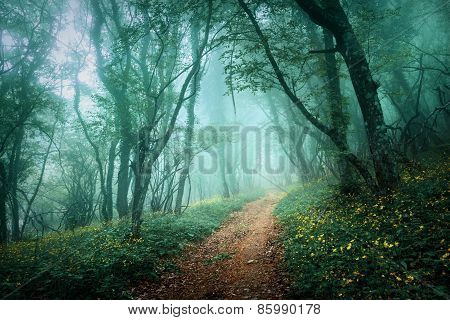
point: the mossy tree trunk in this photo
(331, 15)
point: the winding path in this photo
(241, 260)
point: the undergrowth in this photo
(101, 261)
(365, 246)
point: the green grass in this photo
(370, 247)
(101, 261)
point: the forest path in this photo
(240, 260)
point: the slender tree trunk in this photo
(141, 184)
(122, 178)
(297, 135)
(221, 153)
(118, 91)
(338, 120)
(14, 168)
(304, 170)
(233, 179)
(76, 104)
(181, 184)
(3, 196)
(295, 138)
(189, 133)
(109, 178)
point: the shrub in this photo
(101, 261)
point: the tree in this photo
(339, 123)
(30, 29)
(330, 15)
(330, 132)
(115, 76)
(190, 123)
(150, 146)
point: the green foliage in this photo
(102, 261)
(365, 246)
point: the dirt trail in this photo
(241, 260)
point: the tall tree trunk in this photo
(14, 168)
(187, 157)
(141, 184)
(232, 174)
(330, 15)
(119, 91)
(222, 164)
(76, 104)
(304, 171)
(189, 133)
(109, 178)
(297, 135)
(3, 196)
(122, 178)
(295, 138)
(337, 117)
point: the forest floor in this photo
(241, 260)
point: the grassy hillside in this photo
(365, 246)
(100, 261)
